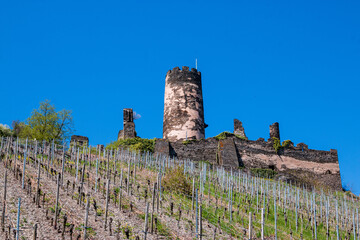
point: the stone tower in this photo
(183, 105)
(274, 131)
(129, 125)
(239, 129)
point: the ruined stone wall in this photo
(238, 128)
(129, 125)
(197, 150)
(274, 131)
(232, 152)
(80, 140)
(183, 105)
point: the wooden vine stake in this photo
(86, 215)
(200, 222)
(153, 208)
(35, 231)
(37, 199)
(107, 202)
(146, 221)
(262, 223)
(4, 203)
(23, 175)
(120, 191)
(18, 221)
(250, 225)
(57, 200)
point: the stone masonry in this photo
(274, 131)
(297, 163)
(79, 141)
(129, 125)
(183, 105)
(239, 129)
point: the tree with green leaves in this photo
(45, 123)
(5, 131)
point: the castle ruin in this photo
(184, 120)
(79, 141)
(274, 131)
(129, 125)
(183, 105)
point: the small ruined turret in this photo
(274, 131)
(129, 125)
(239, 129)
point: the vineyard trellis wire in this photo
(225, 197)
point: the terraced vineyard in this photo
(61, 192)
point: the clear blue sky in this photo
(295, 62)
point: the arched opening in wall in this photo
(272, 167)
(328, 172)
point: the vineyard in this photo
(51, 191)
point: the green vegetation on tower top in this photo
(227, 134)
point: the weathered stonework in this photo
(239, 129)
(129, 125)
(184, 119)
(298, 163)
(183, 105)
(79, 141)
(274, 131)
(100, 147)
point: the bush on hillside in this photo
(5, 131)
(263, 172)
(176, 181)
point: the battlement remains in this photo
(184, 69)
(274, 131)
(129, 125)
(239, 129)
(299, 162)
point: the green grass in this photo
(243, 203)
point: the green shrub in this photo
(286, 143)
(5, 131)
(227, 134)
(263, 172)
(176, 181)
(222, 136)
(135, 144)
(276, 144)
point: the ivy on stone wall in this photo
(277, 144)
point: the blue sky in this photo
(294, 62)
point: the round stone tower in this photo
(183, 105)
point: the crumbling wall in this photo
(233, 152)
(196, 150)
(129, 125)
(239, 129)
(274, 131)
(80, 141)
